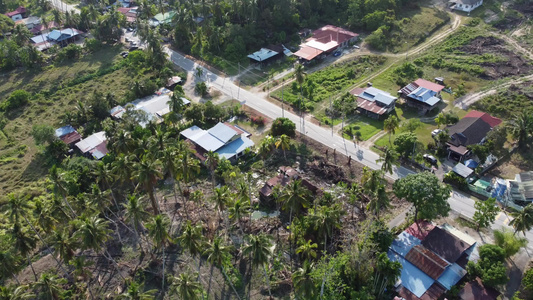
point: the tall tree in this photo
(388, 159)
(221, 199)
(304, 283)
(9, 265)
(211, 161)
(486, 212)
(307, 249)
(521, 127)
(427, 194)
(135, 214)
(135, 291)
(217, 254)
(325, 220)
(283, 142)
(390, 125)
(523, 220)
(50, 287)
(192, 239)
(509, 242)
(238, 209)
(186, 287)
(147, 171)
(259, 248)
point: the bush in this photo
(17, 99)
(42, 133)
(456, 180)
(527, 281)
(259, 121)
(93, 45)
(72, 51)
(283, 126)
(201, 89)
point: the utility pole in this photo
(331, 112)
(239, 90)
(282, 108)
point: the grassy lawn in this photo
(332, 80)
(415, 26)
(21, 162)
(368, 127)
(256, 76)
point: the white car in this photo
(356, 47)
(436, 132)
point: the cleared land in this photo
(21, 164)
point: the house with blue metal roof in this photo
(422, 95)
(61, 37)
(374, 102)
(227, 140)
(433, 262)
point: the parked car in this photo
(430, 158)
(124, 54)
(337, 53)
(356, 47)
(133, 48)
(436, 132)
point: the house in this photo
(94, 145)
(162, 18)
(227, 140)
(465, 5)
(284, 177)
(155, 106)
(129, 12)
(172, 82)
(61, 37)
(325, 41)
(433, 259)
(373, 102)
(520, 190)
(44, 28)
(17, 14)
(422, 94)
(68, 135)
(470, 130)
(30, 22)
(475, 290)
(267, 55)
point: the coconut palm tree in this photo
(283, 141)
(259, 248)
(192, 239)
(388, 159)
(147, 171)
(211, 161)
(158, 230)
(266, 146)
(59, 186)
(217, 254)
(371, 180)
(390, 125)
(9, 265)
(306, 249)
(64, 245)
(187, 169)
(303, 282)
(135, 291)
(221, 199)
(23, 243)
(325, 219)
(105, 176)
(170, 157)
(81, 271)
(12, 292)
(135, 214)
(238, 209)
(378, 200)
(17, 207)
(185, 287)
(293, 198)
(523, 220)
(122, 168)
(521, 127)
(50, 287)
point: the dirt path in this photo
(469, 99)
(516, 45)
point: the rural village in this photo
(252, 149)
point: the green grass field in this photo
(21, 164)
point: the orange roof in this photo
(308, 53)
(429, 85)
(492, 121)
(370, 106)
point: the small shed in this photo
(264, 55)
(462, 170)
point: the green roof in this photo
(166, 17)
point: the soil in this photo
(512, 64)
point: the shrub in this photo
(72, 51)
(454, 179)
(259, 121)
(283, 126)
(17, 99)
(93, 45)
(201, 89)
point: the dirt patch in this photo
(511, 64)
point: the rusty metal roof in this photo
(427, 261)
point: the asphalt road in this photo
(63, 7)
(459, 202)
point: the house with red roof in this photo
(17, 14)
(374, 102)
(324, 41)
(470, 130)
(422, 94)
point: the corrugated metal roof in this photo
(462, 170)
(222, 132)
(64, 131)
(191, 132)
(451, 276)
(445, 244)
(91, 141)
(235, 147)
(427, 261)
(412, 278)
(403, 243)
(308, 53)
(208, 142)
(263, 54)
